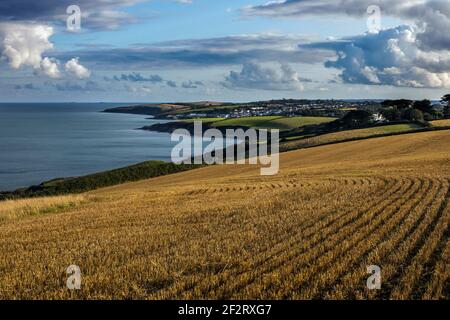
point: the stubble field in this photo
(225, 232)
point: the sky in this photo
(223, 50)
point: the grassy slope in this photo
(348, 135)
(252, 122)
(266, 122)
(144, 170)
(204, 120)
(22, 208)
(227, 232)
(204, 109)
(296, 122)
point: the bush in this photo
(413, 115)
(391, 114)
(141, 171)
(357, 118)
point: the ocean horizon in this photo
(45, 141)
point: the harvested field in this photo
(225, 232)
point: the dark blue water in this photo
(39, 142)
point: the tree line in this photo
(409, 110)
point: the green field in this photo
(296, 122)
(204, 120)
(265, 122)
(204, 109)
(348, 135)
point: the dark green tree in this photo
(446, 100)
(413, 115)
(391, 114)
(400, 104)
(357, 118)
(423, 105)
(427, 109)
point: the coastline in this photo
(159, 113)
(149, 169)
(76, 185)
(42, 142)
(169, 127)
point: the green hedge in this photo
(141, 171)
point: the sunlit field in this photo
(225, 232)
(16, 209)
(265, 122)
(441, 123)
(347, 135)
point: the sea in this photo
(40, 142)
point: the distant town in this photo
(297, 119)
(293, 108)
(382, 111)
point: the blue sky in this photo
(240, 50)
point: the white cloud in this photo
(416, 54)
(392, 57)
(229, 50)
(431, 17)
(254, 76)
(75, 68)
(50, 67)
(106, 19)
(140, 90)
(23, 44)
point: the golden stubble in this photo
(225, 232)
